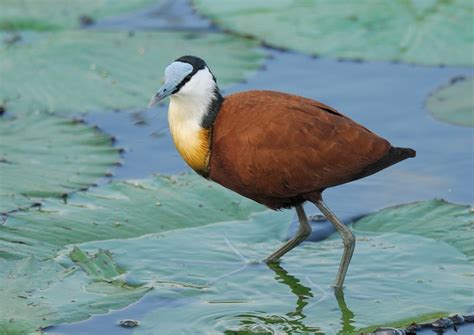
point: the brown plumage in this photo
(275, 148)
(281, 150)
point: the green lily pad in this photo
(422, 32)
(43, 292)
(57, 14)
(454, 103)
(122, 209)
(48, 156)
(35, 294)
(212, 277)
(90, 71)
(436, 219)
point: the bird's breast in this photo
(191, 140)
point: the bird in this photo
(278, 149)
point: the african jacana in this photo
(277, 149)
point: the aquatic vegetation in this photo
(72, 287)
(59, 14)
(436, 219)
(218, 282)
(46, 156)
(120, 209)
(454, 103)
(421, 32)
(92, 71)
(129, 236)
(37, 293)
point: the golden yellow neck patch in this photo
(192, 141)
(195, 151)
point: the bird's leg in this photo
(303, 232)
(348, 239)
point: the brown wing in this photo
(276, 145)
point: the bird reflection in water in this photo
(294, 321)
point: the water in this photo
(173, 15)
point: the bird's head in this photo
(188, 77)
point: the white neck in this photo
(187, 109)
(191, 103)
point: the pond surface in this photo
(388, 98)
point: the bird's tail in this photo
(393, 156)
(402, 153)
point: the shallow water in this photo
(388, 98)
(166, 15)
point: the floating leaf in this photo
(436, 219)
(48, 156)
(223, 287)
(454, 103)
(57, 14)
(423, 32)
(35, 294)
(85, 71)
(123, 209)
(45, 293)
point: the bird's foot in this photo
(271, 260)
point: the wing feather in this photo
(279, 145)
